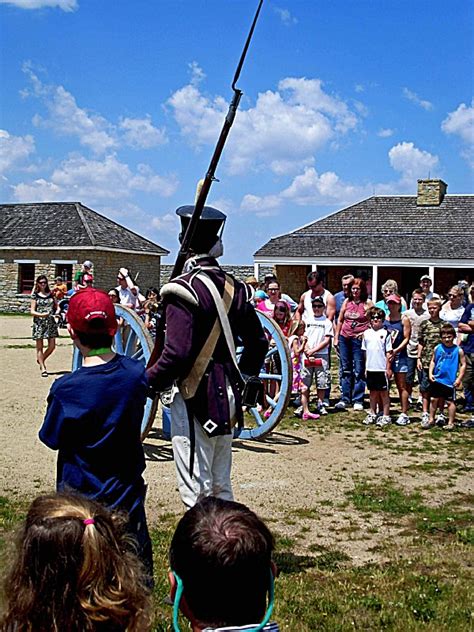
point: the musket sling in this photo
(189, 385)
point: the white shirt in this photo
(127, 297)
(376, 343)
(316, 330)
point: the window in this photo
(64, 270)
(26, 277)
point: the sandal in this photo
(44, 373)
(449, 427)
(307, 416)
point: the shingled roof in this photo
(67, 225)
(384, 227)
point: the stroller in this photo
(63, 305)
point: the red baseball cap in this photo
(393, 298)
(91, 311)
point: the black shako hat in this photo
(207, 231)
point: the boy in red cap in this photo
(94, 418)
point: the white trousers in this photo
(212, 458)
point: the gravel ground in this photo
(297, 478)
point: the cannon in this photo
(135, 341)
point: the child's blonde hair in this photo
(74, 570)
(295, 326)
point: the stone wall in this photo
(106, 265)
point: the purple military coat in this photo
(190, 314)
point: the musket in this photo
(204, 188)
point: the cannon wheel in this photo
(133, 341)
(256, 426)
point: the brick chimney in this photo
(430, 192)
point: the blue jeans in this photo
(353, 370)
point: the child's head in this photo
(376, 317)
(74, 570)
(434, 308)
(281, 312)
(297, 328)
(417, 298)
(448, 334)
(91, 318)
(318, 307)
(58, 280)
(218, 548)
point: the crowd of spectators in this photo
(412, 335)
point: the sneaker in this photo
(441, 420)
(298, 411)
(382, 421)
(370, 419)
(307, 416)
(426, 422)
(403, 420)
(358, 406)
(322, 409)
(419, 401)
(425, 417)
(468, 424)
(449, 427)
(341, 405)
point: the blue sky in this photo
(119, 104)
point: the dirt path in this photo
(298, 478)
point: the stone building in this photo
(54, 238)
(384, 237)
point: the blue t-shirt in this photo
(446, 361)
(339, 297)
(94, 420)
(468, 344)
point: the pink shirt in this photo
(355, 320)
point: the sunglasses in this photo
(42, 282)
(280, 309)
(453, 295)
(376, 318)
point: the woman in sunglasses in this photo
(453, 309)
(43, 309)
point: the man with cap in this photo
(94, 418)
(198, 360)
(425, 284)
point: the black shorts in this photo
(377, 381)
(441, 390)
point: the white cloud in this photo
(197, 73)
(311, 188)
(141, 133)
(461, 123)
(67, 118)
(414, 98)
(411, 162)
(385, 132)
(14, 149)
(80, 179)
(281, 132)
(65, 5)
(167, 223)
(285, 16)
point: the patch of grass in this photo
(384, 497)
(306, 512)
(25, 346)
